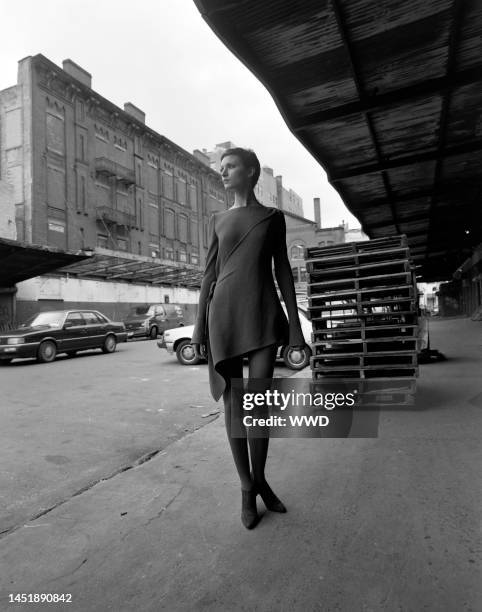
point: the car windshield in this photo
(52, 319)
(138, 310)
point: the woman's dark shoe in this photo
(271, 501)
(249, 512)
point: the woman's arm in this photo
(198, 336)
(284, 277)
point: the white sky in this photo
(161, 56)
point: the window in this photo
(81, 147)
(102, 241)
(101, 317)
(167, 184)
(56, 226)
(168, 253)
(90, 318)
(56, 187)
(182, 227)
(182, 255)
(154, 249)
(296, 251)
(75, 319)
(169, 223)
(122, 244)
(181, 196)
(80, 110)
(152, 181)
(194, 258)
(194, 238)
(153, 222)
(56, 235)
(55, 133)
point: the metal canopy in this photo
(386, 96)
(115, 266)
(21, 260)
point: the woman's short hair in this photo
(249, 159)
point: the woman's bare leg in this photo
(261, 365)
(239, 446)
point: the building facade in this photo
(80, 173)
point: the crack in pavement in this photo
(137, 462)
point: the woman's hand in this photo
(199, 350)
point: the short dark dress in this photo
(239, 309)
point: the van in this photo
(149, 320)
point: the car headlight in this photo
(15, 340)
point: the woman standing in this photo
(240, 313)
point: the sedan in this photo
(178, 341)
(48, 333)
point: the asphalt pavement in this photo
(388, 523)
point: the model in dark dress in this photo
(239, 309)
(240, 315)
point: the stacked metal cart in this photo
(363, 304)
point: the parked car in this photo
(179, 341)
(149, 320)
(48, 333)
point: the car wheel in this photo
(295, 359)
(185, 353)
(153, 333)
(110, 344)
(47, 351)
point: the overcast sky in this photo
(161, 56)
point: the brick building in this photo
(78, 172)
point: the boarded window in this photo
(169, 223)
(56, 235)
(168, 185)
(152, 180)
(55, 133)
(193, 197)
(122, 196)
(194, 232)
(181, 196)
(103, 191)
(182, 225)
(153, 222)
(55, 187)
(102, 241)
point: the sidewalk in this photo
(372, 524)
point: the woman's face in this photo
(234, 173)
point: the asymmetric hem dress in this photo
(239, 309)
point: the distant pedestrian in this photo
(240, 313)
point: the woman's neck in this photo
(244, 198)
